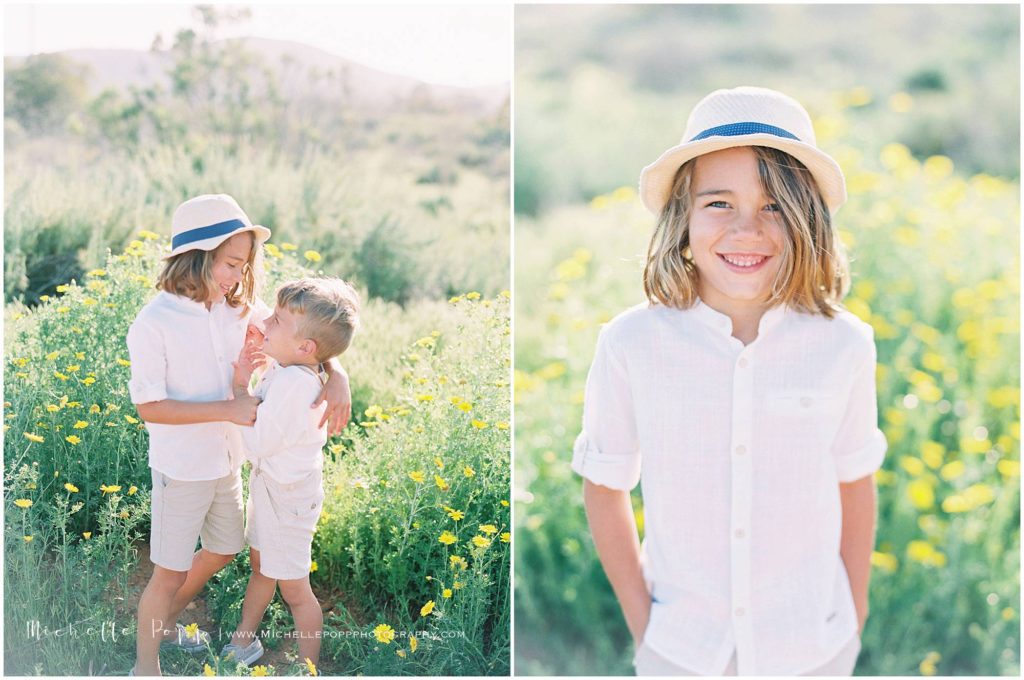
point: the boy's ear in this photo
(308, 347)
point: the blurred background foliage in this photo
(405, 191)
(602, 90)
(920, 106)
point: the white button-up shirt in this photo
(180, 350)
(287, 441)
(740, 451)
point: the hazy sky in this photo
(451, 44)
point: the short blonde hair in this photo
(190, 274)
(813, 276)
(329, 311)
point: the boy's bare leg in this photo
(309, 618)
(154, 610)
(204, 565)
(258, 595)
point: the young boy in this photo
(313, 322)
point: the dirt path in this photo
(197, 611)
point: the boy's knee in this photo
(296, 592)
(219, 560)
(167, 579)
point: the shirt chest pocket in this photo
(810, 414)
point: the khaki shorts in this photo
(183, 512)
(279, 522)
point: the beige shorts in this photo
(279, 522)
(649, 662)
(183, 512)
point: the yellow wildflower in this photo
(427, 608)
(192, 629)
(417, 476)
(927, 666)
(34, 438)
(312, 256)
(130, 419)
(478, 424)
(441, 484)
(506, 537)
(71, 487)
(468, 471)
(457, 561)
(446, 537)
(488, 528)
(113, 488)
(73, 439)
(289, 246)
(23, 503)
(480, 542)
(384, 633)
(884, 561)
(446, 593)
(504, 502)
(400, 653)
(313, 566)
(456, 514)
(87, 535)
(439, 463)
(311, 667)
(28, 539)
(208, 671)
(259, 672)
(81, 425)
(413, 643)
(921, 494)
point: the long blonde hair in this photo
(814, 273)
(190, 275)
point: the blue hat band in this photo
(203, 233)
(736, 129)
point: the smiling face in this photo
(736, 232)
(283, 342)
(229, 262)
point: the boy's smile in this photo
(282, 341)
(736, 232)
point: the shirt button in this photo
(743, 363)
(805, 401)
(740, 450)
(739, 533)
(740, 611)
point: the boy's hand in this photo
(242, 410)
(339, 401)
(249, 359)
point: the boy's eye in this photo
(773, 207)
(718, 204)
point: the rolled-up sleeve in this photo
(606, 451)
(860, 445)
(148, 356)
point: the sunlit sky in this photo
(449, 44)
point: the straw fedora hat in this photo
(204, 222)
(744, 116)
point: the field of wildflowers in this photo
(935, 272)
(412, 551)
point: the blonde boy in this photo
(314, 321)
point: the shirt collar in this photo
(723, 324)
(187, 304)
